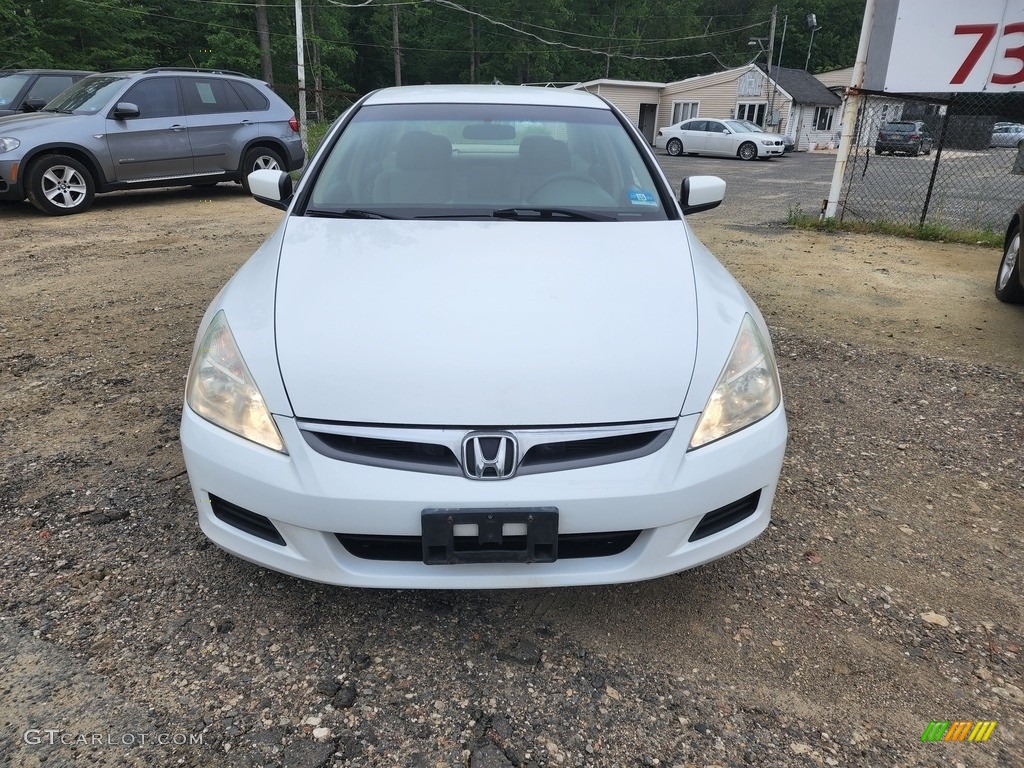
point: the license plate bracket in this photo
(519, 535)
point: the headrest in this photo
(420, 150)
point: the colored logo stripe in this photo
(982, 731)
(958, 730)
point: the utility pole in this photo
(851, 107)
(395, 47)
(263, 33)
(301, 58)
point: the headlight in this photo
(221, 389)
(7, 143)
(747, 390)
(768, 142)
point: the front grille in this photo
(378, 452)
(438, 450)
(410, 548)
(727, 516)
(568, 454)
(250, 522)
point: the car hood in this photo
(485, 323)
(30, 121)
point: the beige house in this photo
(792, 102)
(876, 110)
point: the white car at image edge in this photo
(483, 349)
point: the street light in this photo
(812, 24)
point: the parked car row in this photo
(132, 130)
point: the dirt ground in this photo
(888, 592)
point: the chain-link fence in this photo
(322, 104)
(952, 161)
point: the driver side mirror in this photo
(125, 110)
(273, 188)
(32, 105)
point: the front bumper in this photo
(908, 147)
(11, 172)
(309, 498)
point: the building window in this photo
(823, 118)
(754, 112)
(684, 110)
(750, 84)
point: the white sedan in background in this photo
(725, 138)
(483, 349)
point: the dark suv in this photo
(26, 90)
(159, 128)
(910, 137)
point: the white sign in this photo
(942, 46)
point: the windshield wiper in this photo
(549, 214)
(349, 213)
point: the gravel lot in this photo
(887, 593)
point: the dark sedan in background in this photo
(27, 90)
(908, 137)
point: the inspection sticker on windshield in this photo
(639, 197)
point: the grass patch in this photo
(315, 133)
(934, 232)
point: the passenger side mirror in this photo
(32, 105)
(125, 110)
(701, 193)
(273, 188)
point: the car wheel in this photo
(258, 159)
(748, 151)
(878, 151)
(674, 147)
(914, 152)
(1008, 287)
(60, 185)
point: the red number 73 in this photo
(986, 34)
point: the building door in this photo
(648, 117)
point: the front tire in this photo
(257, 159)
(60, 185)
(1008, 287)
(748, 151)
(674, 147)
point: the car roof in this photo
(486, 94)
(45, 72)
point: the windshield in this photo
(10, 86)
(486, 161)
(742, 126)
(88, 96)
(752, 127)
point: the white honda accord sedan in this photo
(483, 349)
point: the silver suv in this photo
(158, 128)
